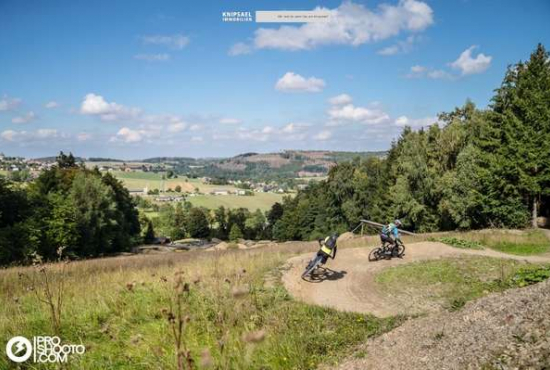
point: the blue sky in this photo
(135, 79)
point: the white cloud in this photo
(268, 130)
(350, 113)
(230, 121)
(415, 123)
(469, 65)
(292, 82)
(96, 105)
(51, 104)
(177, 127)
(46, 133)
(177, 41)
(437, 74)
(128, 135)
(197, 139)
(240, 48)
(349, 24)
(26, 118)
(341, 99)
(20, 136)
(418, 71)
(195, 127)
(323, 135)
(153, 57)
(7, 104)
(8, 135)
(83, 136)
(400, 47)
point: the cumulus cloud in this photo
(469, 65)
(177, 127)
(51, 104)
(8, 104)
(153, 57)
(31, 136)
(176, 42)
(26, 118)
(341, 114)
(323, 135)
(292, 82)
(419, 71)
(229, 121)
(128, 135)
(8, 135)
(341, 99)
(96, 105)
(349, 24)
(415, 123)
(400, 47)
(239, 48)
(83, 136)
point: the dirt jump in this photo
(349, 282)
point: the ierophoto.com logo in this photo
(43, 349)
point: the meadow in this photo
(231, 307)
(233, 312)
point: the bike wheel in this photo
(312, 265)
(399, 251)
(375, 254)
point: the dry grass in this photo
(128, 313)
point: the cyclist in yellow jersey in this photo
(328, 247)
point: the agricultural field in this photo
(140, 180)
(262, 201)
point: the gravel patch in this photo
(509, 330)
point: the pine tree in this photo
(522, 112)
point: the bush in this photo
(529, 276)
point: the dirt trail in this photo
(351, 286)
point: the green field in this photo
(151, 180)
(263, 201)
(140, 180)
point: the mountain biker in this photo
(390, 234)
(328, 247)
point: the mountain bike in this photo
(312, 265)
(387, 251)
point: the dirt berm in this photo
(502, 331)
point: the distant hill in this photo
(285, 164)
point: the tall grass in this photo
(518, 242)
(125, 311)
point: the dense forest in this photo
(474, 169)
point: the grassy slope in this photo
(518, 242)
(451, 281)
(124, 328)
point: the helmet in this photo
(397, 223)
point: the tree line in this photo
(69, 208)
(476, 168)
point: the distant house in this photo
(168, 198)
(220, 192)
(241, 192)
